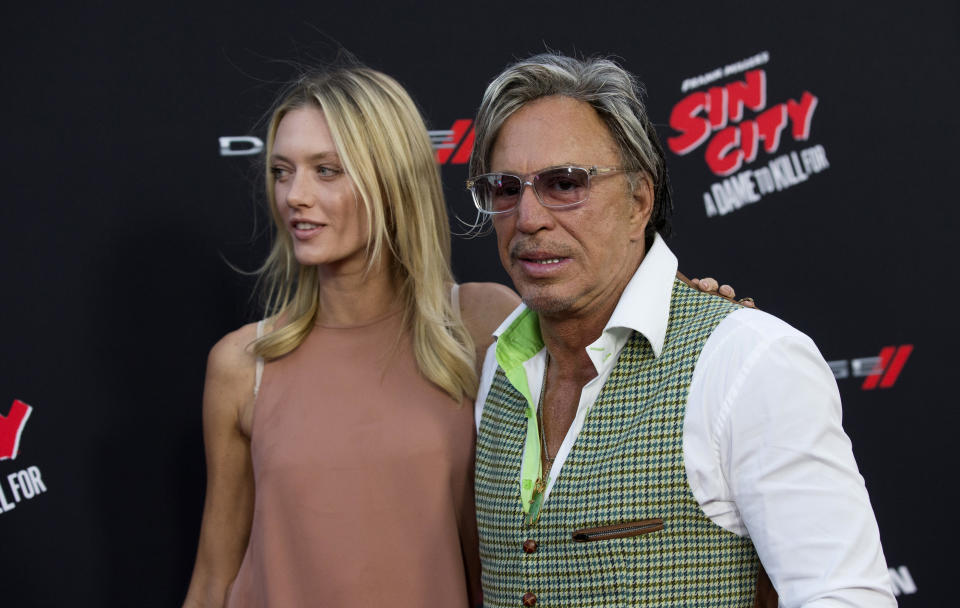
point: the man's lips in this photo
(543, 268)
(540, 261)
(538, 252)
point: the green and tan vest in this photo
(625, 471)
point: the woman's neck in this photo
(356, 297)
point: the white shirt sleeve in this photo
(767, 457)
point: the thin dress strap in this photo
(259, 372)
(455, 298)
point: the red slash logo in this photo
(453, 145)
(11, 426)
(888, 368)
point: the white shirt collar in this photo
(510, 319)
(644, 305)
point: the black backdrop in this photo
(122, 214)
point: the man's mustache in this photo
(529, 248)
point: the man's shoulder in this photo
(749, 339)
(757, 325)
(693, 312)
(687, 296)
(735, 319)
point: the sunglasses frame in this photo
(592, 171)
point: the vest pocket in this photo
(621, 530)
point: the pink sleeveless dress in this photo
(364, 479)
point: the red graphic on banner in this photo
(702, 113)
(887, 370)
(453, 146)
(11, 426)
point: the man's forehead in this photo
(552, 131)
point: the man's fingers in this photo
(727, 291)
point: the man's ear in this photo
(642, 205)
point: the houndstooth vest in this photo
(621, 526)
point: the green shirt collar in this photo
(520, 341)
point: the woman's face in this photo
(316, 199)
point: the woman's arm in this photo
(228, 507)
(484, 306)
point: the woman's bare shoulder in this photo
(228, 393)
(232, 361)
(234, 349)
(484, 306)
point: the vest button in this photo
(529, 546)
(529, 599)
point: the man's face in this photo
(573, 261)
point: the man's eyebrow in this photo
(547, 168)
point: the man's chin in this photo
(546, 303)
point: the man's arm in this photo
(787, 466)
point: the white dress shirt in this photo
(764, 450)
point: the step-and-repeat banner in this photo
(810, 146)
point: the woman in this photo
(357, 431)
(339, 431)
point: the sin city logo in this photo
(25, 483)
(11, 427)
(736, 141)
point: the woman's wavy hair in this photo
(383, 143)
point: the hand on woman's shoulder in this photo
(484, 306)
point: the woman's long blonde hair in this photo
(383, 144)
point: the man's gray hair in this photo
(613, 93)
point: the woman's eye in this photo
(324, 171)
(278, 172)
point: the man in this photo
(639, 442)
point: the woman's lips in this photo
(303, 230)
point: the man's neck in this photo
(568, 333)
(566, 339)
(567, 336)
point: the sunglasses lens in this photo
(563, 186)
(497, 192)
(560, 187)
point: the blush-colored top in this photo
(364, 479)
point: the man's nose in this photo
(531, 214)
